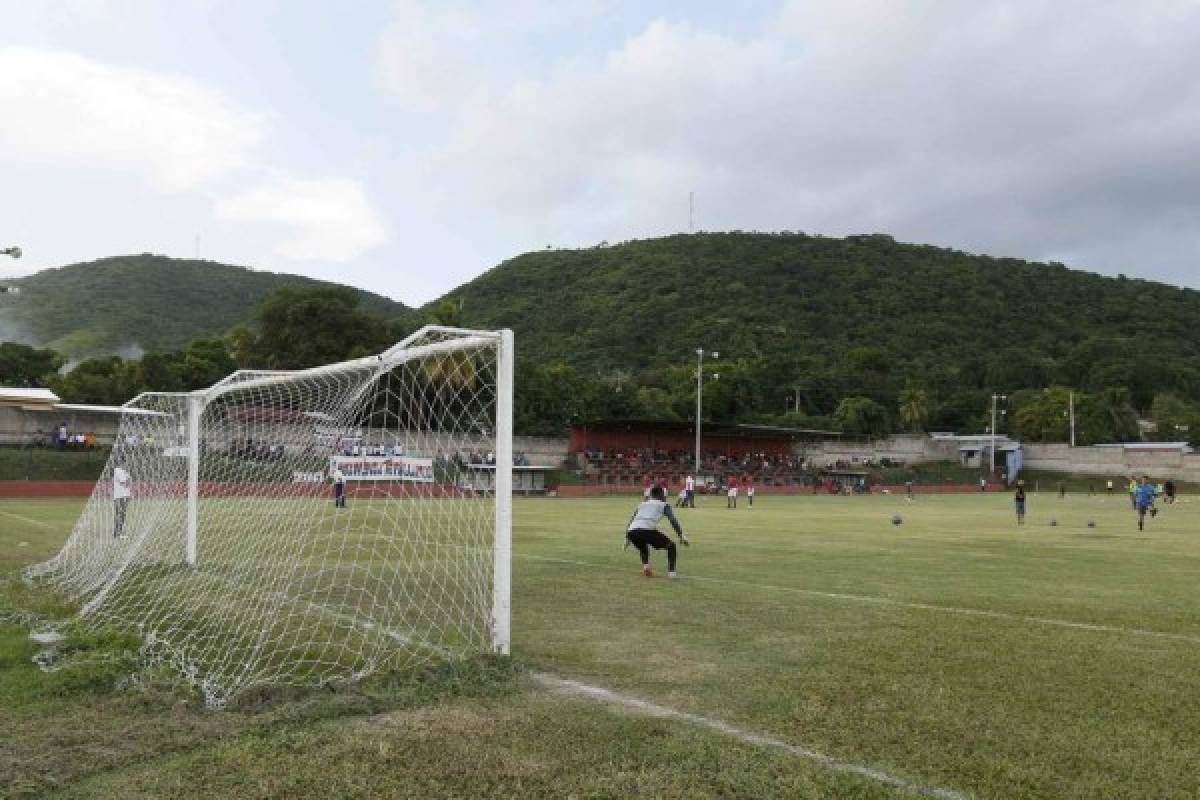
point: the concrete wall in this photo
(906, 448)
(1114, 462)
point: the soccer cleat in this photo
(647, 571)
(671, 575)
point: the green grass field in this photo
(955, 655)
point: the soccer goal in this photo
(308, 527)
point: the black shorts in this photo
(654, 538)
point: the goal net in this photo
(216, 534)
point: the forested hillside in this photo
(805, 322)
(146, 303)
(861, 334)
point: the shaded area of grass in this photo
(515, 745)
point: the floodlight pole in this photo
(1071, 408)
(995, 399)
(699, 399)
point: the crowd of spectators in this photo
(463, 458)
(64, 439)
(643, 458)
(253, 450)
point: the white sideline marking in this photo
(30, 520)
(610, 697)
(887, 601)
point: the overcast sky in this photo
(408, 146)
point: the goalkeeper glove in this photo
(684, 540)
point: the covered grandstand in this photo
(626, 452)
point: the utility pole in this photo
(995, 399)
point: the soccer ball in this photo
(897, 519)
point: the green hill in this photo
(146, 302)
(827, 318)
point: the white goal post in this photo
(308, 527)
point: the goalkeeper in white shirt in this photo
(642, 531)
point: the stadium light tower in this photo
(996, 399)
(700, 396)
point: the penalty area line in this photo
(635, 704)
(887, 601)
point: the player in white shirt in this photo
(642, 531)
(121, 485)
(689, 486)
(339, 488)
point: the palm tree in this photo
(914, 408)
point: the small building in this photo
(984, 451)
(525, 480)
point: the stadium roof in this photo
(782, 429)
(28, 399)
(145, 412)
(44, 400)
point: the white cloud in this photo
(327, 219)
(131, 160)
(442, 55)
(63, 109)
(1029, 129)
(423, 56)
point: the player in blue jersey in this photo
(1144, 500)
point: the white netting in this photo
(278, 585)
